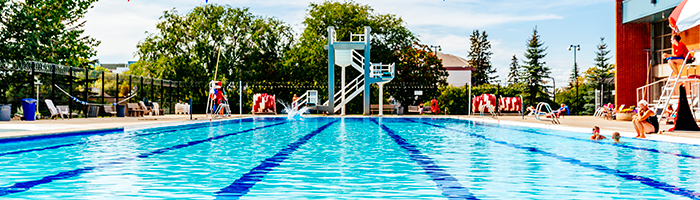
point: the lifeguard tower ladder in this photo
(347, 53)
(668, 90)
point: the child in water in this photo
(616, 137)
(596, 134)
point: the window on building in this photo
(660, 41)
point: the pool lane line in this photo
(449, 185)
(199, 125)
(26, 185)
(622, 174)
(241, 186)
(597, 142)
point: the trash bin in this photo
(29, 108)
(120, 110)
(5, 112)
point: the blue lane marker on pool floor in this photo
(242, 185)
(622, 174)
(202, 125)
(26, 185)
(449, 185)
(602, 143)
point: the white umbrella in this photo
(685, 16)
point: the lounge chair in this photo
(65, 110)
(146, 110)
(110, 110)
(53, 109)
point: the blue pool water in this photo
(346, 158)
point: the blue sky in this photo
(120, 25)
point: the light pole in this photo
(575, 48)
(436, 47)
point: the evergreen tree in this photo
(534, 71)
(480, 58)
(514, 74)
(573, 76)
(602, 70)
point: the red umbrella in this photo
(685, 16)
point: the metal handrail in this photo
(360, 37)
(379, 68)
(645, 93)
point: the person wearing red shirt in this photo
(675, 61)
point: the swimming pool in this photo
(346, 158)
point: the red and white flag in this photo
(685, 16)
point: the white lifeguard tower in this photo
(346, 54)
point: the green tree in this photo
(189, 47)
(42, 30)
(47, 31)
(417, 66)
(534, 71)
(602, 71)
(514, 73)
(480, 58)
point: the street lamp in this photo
(436, 47)
(575, 48)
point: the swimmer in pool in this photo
(616, 137)
(596, 134)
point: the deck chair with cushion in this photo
(53, 109)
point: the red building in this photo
(642, 36)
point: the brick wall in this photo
(630, 58)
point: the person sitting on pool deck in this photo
(616, 137)
(675, 60)
(596, 134)
(639, 120)
(562, 108)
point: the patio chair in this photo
(110, 110)
(146, 110)
(65, 110)
(156, 109)
(53, 109)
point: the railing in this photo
(652, 89)
(360, 37)
(358, 58)
(382, 71)
(355, 85)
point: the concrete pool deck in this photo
(19, 129)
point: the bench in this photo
(386, 107)
(416, 109)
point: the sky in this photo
(121, 25)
